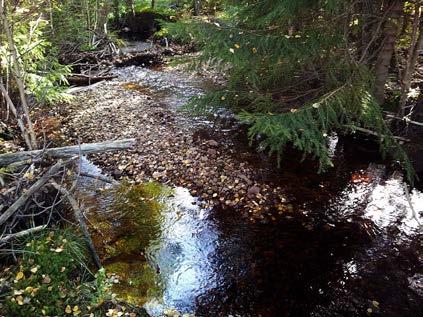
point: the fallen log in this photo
(60, 152)
(84, 80)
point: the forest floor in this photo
(172, 148)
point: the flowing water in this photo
(352, 245)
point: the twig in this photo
(11, 106)
(101, 178)
(27, 194)
(82, 225)
(21, 234)
(405, 119)
(18, 164)
(407, 196)
(367, 131)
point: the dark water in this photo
(334, 262)
(354, 249)
(352, 245)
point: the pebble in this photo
(174, 153)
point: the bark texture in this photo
(60, 152)
(390, 33)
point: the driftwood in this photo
(28, 193)
(83, 80)
(26, 198)
(88, 148)
(79, 216)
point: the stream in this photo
(350, 244)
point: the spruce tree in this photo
(294, 72)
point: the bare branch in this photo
(34, 188)
(21, 234)
(80, 217)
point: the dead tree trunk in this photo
(83, 80)
(17, 72)
(413, 54)
(130, 7)
(15, 113)
(390, 34)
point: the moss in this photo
(137, 281)
(133, 222)
(141, 208)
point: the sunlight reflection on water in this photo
(181, 252)
(389, 206)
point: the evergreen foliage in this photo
(43, 74)
(292, 73)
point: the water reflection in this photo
(391, 206)
(359, 251)
(181, 254)
(172, 88)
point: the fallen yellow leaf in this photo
(20, 275)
